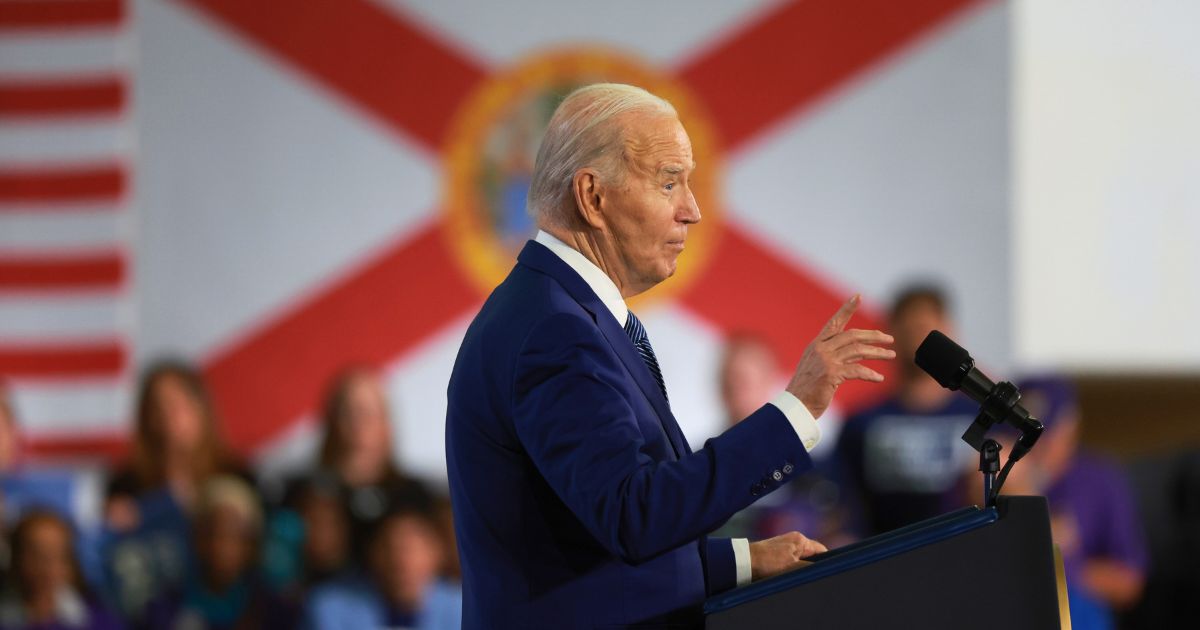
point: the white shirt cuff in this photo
(801, 418)
(741, 559)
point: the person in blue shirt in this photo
(176, 450)
(401, 585)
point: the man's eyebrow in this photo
(675, 169)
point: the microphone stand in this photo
(989, 465)
(997, 407)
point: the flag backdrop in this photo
(278, 189)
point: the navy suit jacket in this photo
(577, 501)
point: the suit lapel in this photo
(641, 374)
(541, 258)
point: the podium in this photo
(978, 568)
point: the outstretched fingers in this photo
(856, 352)
(860, 372)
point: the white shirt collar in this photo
(599, 281)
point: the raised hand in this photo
(834, 357)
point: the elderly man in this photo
(577, 501)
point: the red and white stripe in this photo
(66, 226)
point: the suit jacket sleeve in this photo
(720, 567)
(572, 417)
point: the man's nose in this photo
(690, 212)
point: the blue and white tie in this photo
(641, 341)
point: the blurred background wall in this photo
(279, 189)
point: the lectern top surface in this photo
(860, 553)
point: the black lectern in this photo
(976, 568)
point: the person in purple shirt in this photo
(45, 588)
(1093, 516)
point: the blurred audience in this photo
(64, 490)
(176, 450)
(749, 376)
(400, 584)
(186, 542)
(10, 437)
(224, 590)
(1093, 514)
(176, 447)
(309, 535)
(357, 447)
(902, 461)
(45, 589)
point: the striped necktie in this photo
(641, 341)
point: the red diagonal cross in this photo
(403, 77)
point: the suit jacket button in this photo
(788, 468)
(777, 475)
(756, 489)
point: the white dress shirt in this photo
(797, 414)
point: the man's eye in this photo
(669, 186)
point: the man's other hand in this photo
(834, 357)
(782, 553)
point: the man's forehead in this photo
(661, 140)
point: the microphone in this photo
(953, 368)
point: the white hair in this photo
(583, 133)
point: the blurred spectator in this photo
(357, 448)
(224, 591)
(750, 377)
(400, 587)
(309, 537)
(45, 589)
(902, 461)
(176, 446)
(10, 440)
(1093, 515)
(176, 450)
(21, 487)
(63, 490)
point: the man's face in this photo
(647, 213)
(912, 325)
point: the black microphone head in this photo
(947, 362)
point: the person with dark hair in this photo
(400, 585)
(45, 589)
(902, 460)
(26, 486)
(309, 535)
(356, 447)
(224, 591)
(176, 449)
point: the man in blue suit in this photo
(577, 501)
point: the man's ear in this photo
(588, 198)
